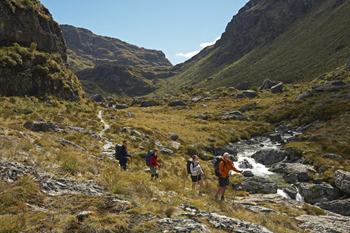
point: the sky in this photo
(180, 28)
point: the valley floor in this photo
(58, 174)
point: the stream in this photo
(245, 149)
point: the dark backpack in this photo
(118, 151)
(188, 166)
(216, 162)
(148, 157)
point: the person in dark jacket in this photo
(123, 155)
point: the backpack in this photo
(216, 161)
(188, 166)
(118, 151)
(148, 157)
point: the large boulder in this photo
(267, 84)
(318, 193)
(337, 206)
(120, 106)
(277, 88)
(177, 103)
(295, 172)
(269, 156)
(342, 181)
(257, 184)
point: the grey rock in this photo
(97, 98)
(177, 103)
(65, 142)
(203, 116)
(182, 225)
(291, 191)
(269, 156)
(166, 151)
(333, 156)
(120, 106)
(276, 137)
(277, 88)
(230, 148)
(256, 185)
(295, 172)
(324, 223)
(304, 95)
(42, 126)
(196, 99)
(318, 193)
(234, 115)
(293, 155)
(267, 84)
(149, 103)
(247, 94)
(334, 85)
(247, 174)
(245, 164)
(337, 206)
(234, 225)
(342, 180)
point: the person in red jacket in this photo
(154, 165)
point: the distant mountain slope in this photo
(281, 40)
(33, 53)
(112, 65)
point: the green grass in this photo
(315, 44)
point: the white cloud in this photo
(203, 45)
(188, 54)
(206, 44)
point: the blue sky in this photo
(179, 28)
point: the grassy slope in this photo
(44, 150)
(315, 44)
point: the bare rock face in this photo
(324, 224)
(342, 181)
(33, 53)
(27, 22)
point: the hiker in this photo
(154, 165)
(196, 174)
(121, 154)
(224, 169)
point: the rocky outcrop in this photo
(177, 103)
(27, 22)
(42, 126)
(277, 88)
(269, 157)
(256, 184)
(337, 206)
(113, 65)
(234, 115)
(342, 181)
(295, 172)
(149, 103)
(29, 42)
(324, 223)
(318, 193)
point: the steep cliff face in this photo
(111, 65)
(24, 22)
(33, 53)
(284, 40)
